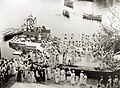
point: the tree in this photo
(106, 42)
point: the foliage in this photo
(106, 42)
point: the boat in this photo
(30, 36)
(92, 17)
(68, 3)
(66, 13)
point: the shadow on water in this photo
(87, 0)
(104, 3)
(10, 36)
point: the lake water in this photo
(49, 13)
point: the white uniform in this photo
(60, 59)
(115, 82)
(77, 79)
(68, 75)
(37, 75)
(22, 78)
(85, 80)
(49, 73)
(58, 73)
(31, 54)
(62, 75)
(29, 78)
(13, 69)
(15, 62)
(72, 80)
(26, 71)
(81, 78)
(56, 76)
(33, 80)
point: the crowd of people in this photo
(112, 82)
(62, 75)
(32, 73)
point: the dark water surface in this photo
(49, 13)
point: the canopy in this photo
(17, 53)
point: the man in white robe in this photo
(49, 72)
(33, 80)
(15, 62)
(56, 76)
(85, 80)
(81, 78)
(68, 75)
(13, 69)
(26, 68)
(29, 77)
(72, 80)
(62, 75)
(77, 79)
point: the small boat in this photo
(66, 13)
(92, 17)
(68, 3)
